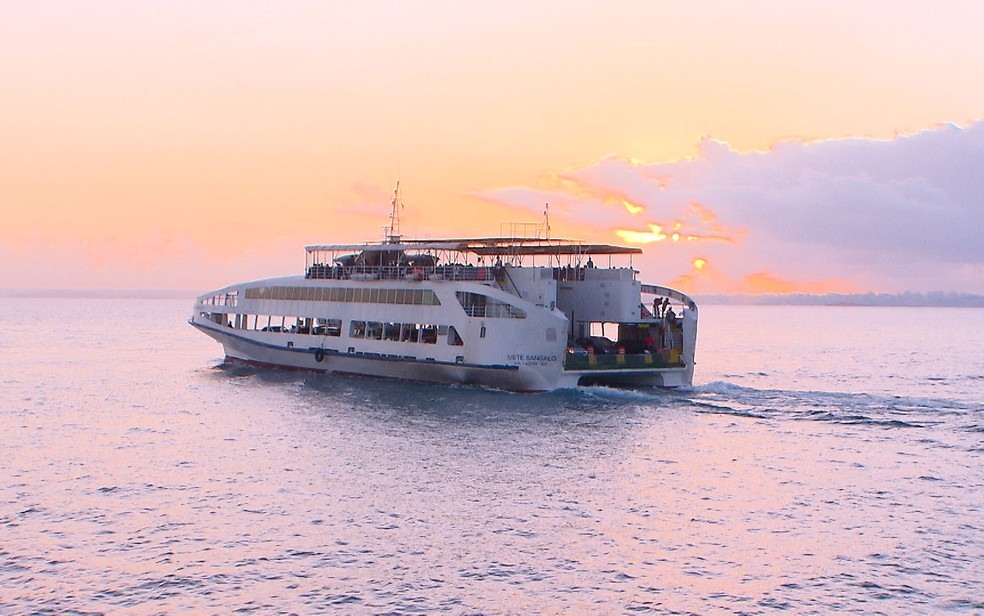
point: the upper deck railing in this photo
(455, 272)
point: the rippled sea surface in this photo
(827, 459)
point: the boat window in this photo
(391, 331)
(428, 334)
(430, 298)
(374, 330)
(410, 332)
(453, 338)
(358, 329)
(273, 323)
(327, 327)
(483, 306)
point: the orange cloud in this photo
(697, 223)
(767, 283)
(655, 234)
(704, 278)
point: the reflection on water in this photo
(139, 477)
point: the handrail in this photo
(670, 293)
(402, 272)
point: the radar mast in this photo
(393, 232)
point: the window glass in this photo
(453, 338)
(428, 334)
(392, 331)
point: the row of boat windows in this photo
(474, 304)
(369, 330)
(404, 332)
(222, 299)
(410, 297)
(278, 323)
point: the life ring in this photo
(319, 356)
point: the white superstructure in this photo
(515, 313)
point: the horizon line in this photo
(173, 293)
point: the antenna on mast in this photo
(394, 228)
(546, 219)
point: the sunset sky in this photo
(747, 147)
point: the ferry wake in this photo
(519, 312)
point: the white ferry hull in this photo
(242, 350)
(667, 378)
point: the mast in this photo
(394, 229)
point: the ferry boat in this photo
(517, 312)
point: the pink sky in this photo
(807, 146)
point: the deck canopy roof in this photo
(489, 246)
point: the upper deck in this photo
(471, 259)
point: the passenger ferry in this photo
(518, 312)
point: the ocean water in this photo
(826, 460)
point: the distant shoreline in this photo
(101, 293)
(896, 300)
